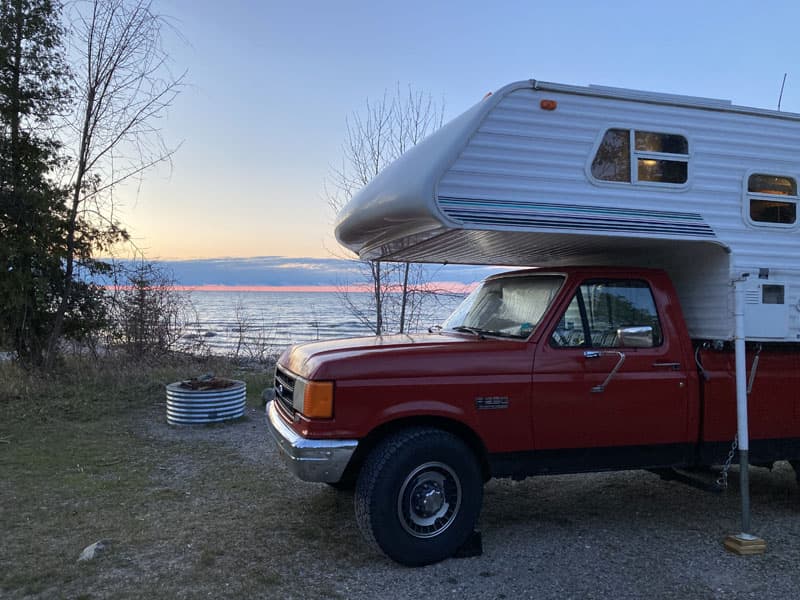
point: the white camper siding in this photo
(523, 154)
(700, 273)
(510, 183)
(512, 155)
(793, 299)
(528, 169)
(729, 148)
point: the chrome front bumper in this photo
(310, 460)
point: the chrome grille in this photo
(284, 389)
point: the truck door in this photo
(609, 375)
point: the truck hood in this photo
(422, 355)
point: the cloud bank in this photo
(281, 271)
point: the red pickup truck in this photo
(538, 372)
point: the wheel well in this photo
(466, 434)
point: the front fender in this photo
(428, 408)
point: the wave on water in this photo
(260, 324)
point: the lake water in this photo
(257, 324)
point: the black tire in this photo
(419, 495)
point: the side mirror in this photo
(635, 337)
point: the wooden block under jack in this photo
(472, 547)
(745, 544)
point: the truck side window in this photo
(600, 308)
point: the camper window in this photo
(772, 199)
(613, 159)
(659, 157)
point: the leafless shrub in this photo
(255, 341)
(148, 315)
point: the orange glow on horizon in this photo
(439, 286)
(268, 288)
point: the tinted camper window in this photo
(612, 161)
(772, 199)
(658, 157)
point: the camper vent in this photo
(766, 313)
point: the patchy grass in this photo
(86, 455)
(183, 522)
(85, 390)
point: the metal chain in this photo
(722, 481)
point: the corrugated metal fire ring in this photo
(186, 406)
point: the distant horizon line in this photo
(218, 287)
(441, 286)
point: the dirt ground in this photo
(210, 512)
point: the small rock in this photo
(93, 551)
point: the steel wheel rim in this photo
(429, 500)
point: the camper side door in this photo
(609, 384)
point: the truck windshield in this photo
(505, 306)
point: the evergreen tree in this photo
(33, 91)
(50, 233)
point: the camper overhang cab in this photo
(548, 174)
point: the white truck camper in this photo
(548, 174)
(545, 174)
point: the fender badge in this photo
(491, 402)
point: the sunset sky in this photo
(271, 84)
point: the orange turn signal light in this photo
(318, 400)
(548, 104)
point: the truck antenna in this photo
(780, 97)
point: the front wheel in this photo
(419, 495)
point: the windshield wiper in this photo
(473, 330)
(482, 333)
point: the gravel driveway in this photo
(616, 535)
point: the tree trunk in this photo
(24, 342)
(378, 291)
(404, 298)
(69, 266)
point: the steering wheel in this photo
(559, 338)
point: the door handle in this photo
(668, 365)
(598, 354)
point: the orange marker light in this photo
(548, 104)
(318, 400)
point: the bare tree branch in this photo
(374, 137)
(124, 86)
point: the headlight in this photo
(314, 399)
